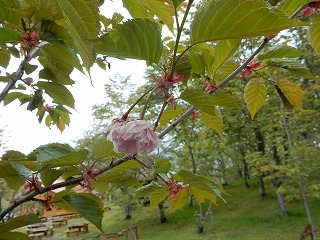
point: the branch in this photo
(69, 182)
(20, 71)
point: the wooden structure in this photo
(81, 227)
(307, 232)
(132, 229)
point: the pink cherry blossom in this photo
(210, 87)
(166, 82)
(170, 100)
(195, 114)
(132, 137)
(248, 71)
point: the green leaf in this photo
(200, 99)
(283, 51)
(179, 200)
(225, 70)
(117, 178)
(292, 66)
(7, 170)
(21, 169)
(224, 100)
(222, 53)
(13, 96)
(214, 122)
(50, 175)
(58, 92)
(237, 19)
(58, 57)
(176, 3)
(88, 205)
(8, 12)
(50, 151)
(18, 222)
(164, 11)
(196, 62)
(4, 59)
(8, 35)
(183, 67)
(55, 76)
(198, 186)
(135, 9)
(70, 159)
(82, 19)
(29, 68)
(136, 38)
(146, 190)
(162, 166)
(255, 95)
(103, 148)
(169, 114)
(291, 92)
(314, 36)
(131, 164)
(13, 236)
(290, 6)
(158, 196)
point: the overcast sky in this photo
(21, 128)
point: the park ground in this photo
(245, 216)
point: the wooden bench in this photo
(74, 232)
(36, 236)
(306, 232)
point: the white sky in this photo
(22, 130)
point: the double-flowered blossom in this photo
(132, 137)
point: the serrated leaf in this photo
(6, 170)
(162, 166)
(50, 175)
(50, 151)
(169, 114)
(21, 169)
(283, 51)
(224, 100)
(222, 53)
(146, 190)
(254, 95)
(4, 59)
(58, 57)
(103, 148)
(290, 6)
(200, 99)
(58, 92)
(183, 67)
(117, 178)
(292, 92)
(55, 76)
(292, 66)
(214, 122)
(135, 9)
(179, 200)
(70, 159)
(198, 186)
(131, 164)
(158, 196)
(136, 38)
(60, 124)
(8, 12)
(18, 222)
(237, 19)
(82, 19)
(13, 96)
(314, 36)
(88, 205)
(196, 61)
(161, 9)
(8, 35)
(225, 70)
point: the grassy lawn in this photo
(245, 216)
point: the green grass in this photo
(245, 216)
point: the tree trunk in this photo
(163, 218)
(222, 168)
(262, 189)
(246, 175)
(200, 220)
(128, 210)
(282, 207)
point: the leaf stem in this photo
(146, 104)
(180, 28)
(160, 114)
